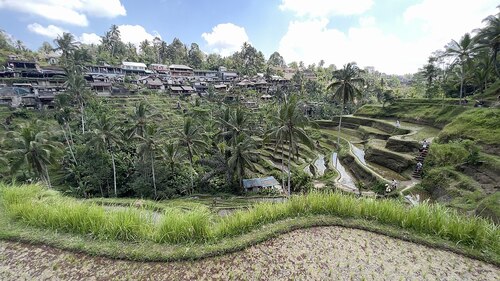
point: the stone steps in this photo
(417, 173)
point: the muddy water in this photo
(359, 153)
(320, 165)
(345, 177)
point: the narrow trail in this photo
(321, 253)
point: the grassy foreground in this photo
(35, 214)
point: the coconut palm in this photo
(105, 136)
(218, 163)
(345, 86)
(31, 146)
(142, 114)
(66, 43)
(113, 37)
(148, 148)
(172, 155)
(462, 51)
(190, 137)
(289, 128)
(233, 123)
(76, 88)
(243, 156)
(489, 38)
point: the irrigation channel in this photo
(357, 148)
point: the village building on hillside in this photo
(106, 70)
(205, 75)
(159, 68)
(133, 67)
(227, 75)
(179, 70)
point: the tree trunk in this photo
(282, 164)
(114, 172)
(47, 177)
(69, 145)
(289, 160)
(82, 110)
(338, 136)
(191, 175)
(461, 82)
(153, 173)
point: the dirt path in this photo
(323, 253)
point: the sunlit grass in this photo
(39, 207)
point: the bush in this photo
(448, 154)
(169, 182)
(301, 182)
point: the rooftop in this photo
(137, 64)
(260, 182)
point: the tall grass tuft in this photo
(39, 207)
(178, 226)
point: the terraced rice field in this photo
(322, 253)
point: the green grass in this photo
(480, 124)
(37, 207)
(434, 114)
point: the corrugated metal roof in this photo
(260, 182)
(174, 88)
(137, 64)
(188, 88)
(180, 66)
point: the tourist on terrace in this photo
(419, 166)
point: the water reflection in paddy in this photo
(345, 177)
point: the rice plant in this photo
(39, 207)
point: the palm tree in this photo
(172, 155)
(489, 37)
(20, 46)
(148, 147)
(190, 138)
(462, 51)
(346, 81)
(243, 156)
(233, 123)
(76, 88)
(113, 37)
(31, 146)
(218, 163)
(65, 43)
(290, 123)
(142, 113)
(104, 137)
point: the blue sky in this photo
(395, 36)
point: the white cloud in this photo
(135, 34)
(311, 41)
(368, 44)
(225, 38)
(73, 12)
(444, 20)
(322, 8)
(50, 31)
(103, 8)
(90, 38)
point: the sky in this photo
(394, 36)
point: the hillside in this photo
(463, 167)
